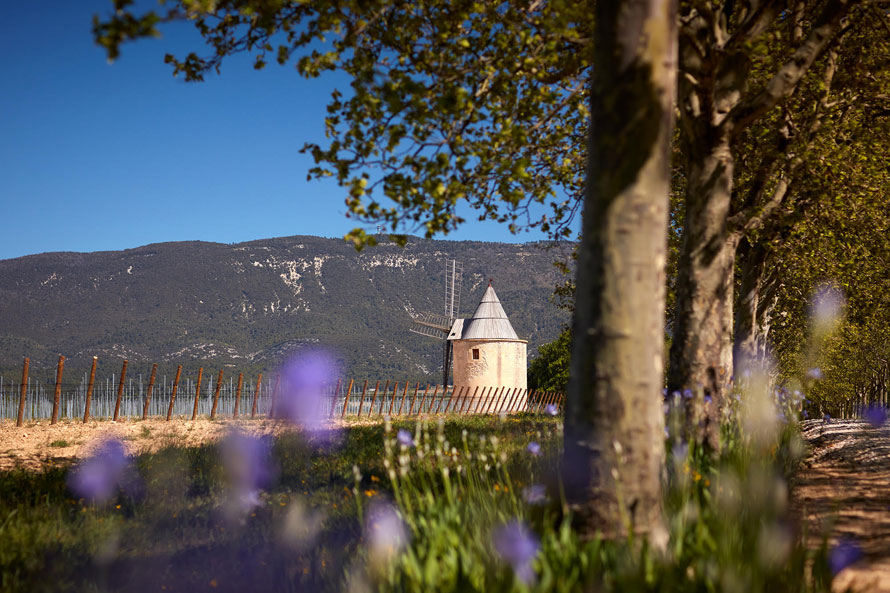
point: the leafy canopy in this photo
(449, 101)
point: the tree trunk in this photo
(701, 349)
(756, 301)
(614, 436)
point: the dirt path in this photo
(844, 487)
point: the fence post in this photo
(58, 394)
(120, 392)
(441, 397)
(346, 402)
(24, 392)
(512, 399)
(361, 402)
(467, 398)
(151, 386)
(402, 401)
(256, 395)
(238, 395)
(452, 401)
(491, 400)
(173, 393)
(395, 390)
(86, 406)
(423, 399)
(373, 399)
(414, 399)
(335, 398)
(216, 395)
(197, 393)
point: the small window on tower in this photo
(475, 354)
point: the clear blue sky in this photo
(97, 156)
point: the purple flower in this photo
(405, 439)
(826, 418)
(551, 409)
(534, 448)
(517, 546)
(842, 555)
(876, 415)
(687, 393)
(535, 494)
(680, 451)
(98, 477)
(306, 378)
(249, 467)
(708, 399)
(804, 414)
(815, 373)
(385, 532)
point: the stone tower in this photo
(486, 350)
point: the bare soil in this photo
(38, 444)
(843, 489)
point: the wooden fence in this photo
(126, 397)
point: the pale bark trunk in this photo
(614, 442)
(756, 301)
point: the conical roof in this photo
(489, 321)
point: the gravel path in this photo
(843, 487)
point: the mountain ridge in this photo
(248, 305)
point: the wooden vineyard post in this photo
(502, 399)
(374, 398)
(413, 399)
(560, 401)
(480, 404)
(461, 397)
(58, 394)
(395, 390)
(274, 397)
(452, 401)
(216, 395)
(439, 403)
(86, 406)
(423, 398)
(514, 402)
(508, 401)
(492, 400)
(151, 386)
(120, 392)
(346, 402)
(173, 393)
(335, 398)
(23, 394)
(404, 396)
(467, 398)
(238, 395)
(256, 395)
(197, 393)
(361, 402)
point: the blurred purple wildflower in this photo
(828, 302)
(517, 546)
(305, 380)
(248, 463)
(687, 393)
(826, 418)
(815, 373)
(534, 448)
(385, 531)
(98, 477)
(842, 555)
(875, 415)
(680, 451)
(551, 409)
(405, 438)
(535, 494)
(708, 399)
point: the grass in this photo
(455, 485)
(172, 533)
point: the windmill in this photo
(435, 325)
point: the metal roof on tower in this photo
(489, 321)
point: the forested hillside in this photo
(250, 304)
